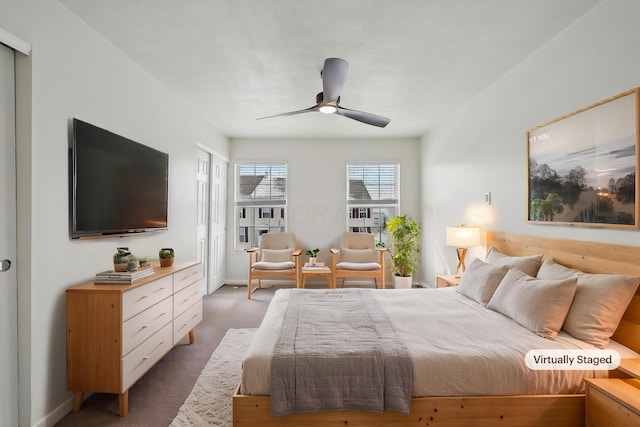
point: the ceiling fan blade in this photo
(361, 116)
(291, 113)
(334, 75)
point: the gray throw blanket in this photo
(338, 351)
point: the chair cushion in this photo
(276, 255)
(274, 265)
(358, 265)
(358, 255)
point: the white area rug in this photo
(209, 403)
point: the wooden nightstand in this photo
(446, 281)
(614, 401)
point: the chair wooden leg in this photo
(249, 288)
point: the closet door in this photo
(8, 277)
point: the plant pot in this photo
(166, 262)
(313, 260)
(400, 282)
(121, 266)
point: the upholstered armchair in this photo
(358, 257)
(275, 257)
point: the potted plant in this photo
(144, 262)
(166, 257)
(121, 259)
(133, 263)
(404, 234)
(313, 254)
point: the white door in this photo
(202, 230)
(218, 225)
(212, 218)
(8, 277)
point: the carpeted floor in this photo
(155, 399)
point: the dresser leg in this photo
(123, 399)
(77, 404)
(192, 337)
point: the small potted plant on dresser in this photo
(313, 255)
(121, 259)
(166, 256)
(404, 233)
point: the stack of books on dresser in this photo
(125, 277)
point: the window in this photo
(372, 197)
(261, 191)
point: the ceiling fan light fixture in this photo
(327, 109)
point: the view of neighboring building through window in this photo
(372, 197)
(261, 201)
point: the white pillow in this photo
(599, 303)
(276, 255)
(480, 280)
(530, 264)
(274, 265)
(539, 305)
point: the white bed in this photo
(468, 359)
(458, 347)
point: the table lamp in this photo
(462, 238)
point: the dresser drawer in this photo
(186, 298)
(136, 363)
(143, 325)
(143, 297)
(186, 277)
(187, 321)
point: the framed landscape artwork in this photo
(582, 167)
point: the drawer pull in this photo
(143, 297)
(159, 290)
(154, 349)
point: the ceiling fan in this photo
(334, 75)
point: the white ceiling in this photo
(413, 61)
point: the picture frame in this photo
(581, 167)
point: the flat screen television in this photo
(117, 186)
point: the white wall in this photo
(74, 72)
(482, 147)
(317, 186)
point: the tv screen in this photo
(118, 186)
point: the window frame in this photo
(372, 222)
(249, 213)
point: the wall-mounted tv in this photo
(117, 186)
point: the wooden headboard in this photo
(590, 257)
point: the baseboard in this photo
(57, 414)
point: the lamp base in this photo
(462, 252)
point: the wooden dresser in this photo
(116, 333)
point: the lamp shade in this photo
(463, 237)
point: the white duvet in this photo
(458, 347)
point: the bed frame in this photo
(484, 411)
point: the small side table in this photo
(317, 270)
(614, 401)
(446, 281)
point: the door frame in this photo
(213, 154)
